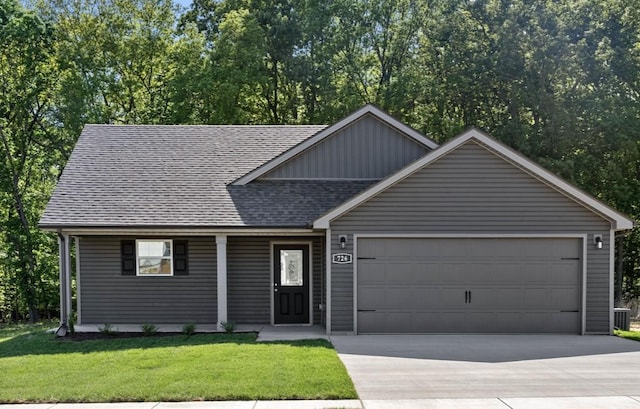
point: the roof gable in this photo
(314, 145)
(619, 221)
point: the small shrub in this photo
(148, 329)
(228, 326)
(189, 329)
(107, 329)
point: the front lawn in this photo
(633, 335)
(36, 367)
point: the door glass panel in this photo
(291, 268)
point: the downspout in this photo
(64, 314)
(328, 276)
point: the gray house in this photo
(363, 226)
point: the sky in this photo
(183, 3)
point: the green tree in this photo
(119, 61)
(28, 144)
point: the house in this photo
(363, 226)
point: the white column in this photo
(78, 288)
(612, 257)
(63, 276)
(221, 262)
(67, 272)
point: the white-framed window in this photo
(154, 257)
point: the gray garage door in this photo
(481, 285)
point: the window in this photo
(154, 257)
(291, 269)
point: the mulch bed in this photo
(90, 336)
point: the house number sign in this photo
(342, 258)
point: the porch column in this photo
(67, 272)
(64, 251)
(221, 262)
(63, 286)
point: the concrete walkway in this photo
(291, 333)
(602, 402)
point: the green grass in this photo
(35, 367)
(633, 335)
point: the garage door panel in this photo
(454, 272)
(536, 297)
(383, 298)
(447, 322)
(564, 272)
(386, 322)
(372, 248)
(376, 272)
(551, 299)
(503, 272)
(370, 297)
(566, 299)
(373, 322)
(546, 322)
(494, 298)
(535, 273)
(423, 285)
(400, 297)
(436, 297)
(411, 273)
(484, 322)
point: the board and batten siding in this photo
(473, 191)
(249, 272)
(365, 149)
(109, 297)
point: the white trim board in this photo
(583, 281)
(78, 286)
(330, 130)
(619, 221)
(222, 281)
(185, 232)
(612, 280)
(327, 255)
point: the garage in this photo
(469, 285)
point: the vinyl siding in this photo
(471, 190)
(109, 297)
(366, 149)
(249, 278)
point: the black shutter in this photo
(180, 258)
(128, 255)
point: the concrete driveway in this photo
(507, 367)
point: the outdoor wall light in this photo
(597, 240)
(343, 240)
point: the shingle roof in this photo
(178, 176)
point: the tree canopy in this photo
(557, 80)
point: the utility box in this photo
(622, 318)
